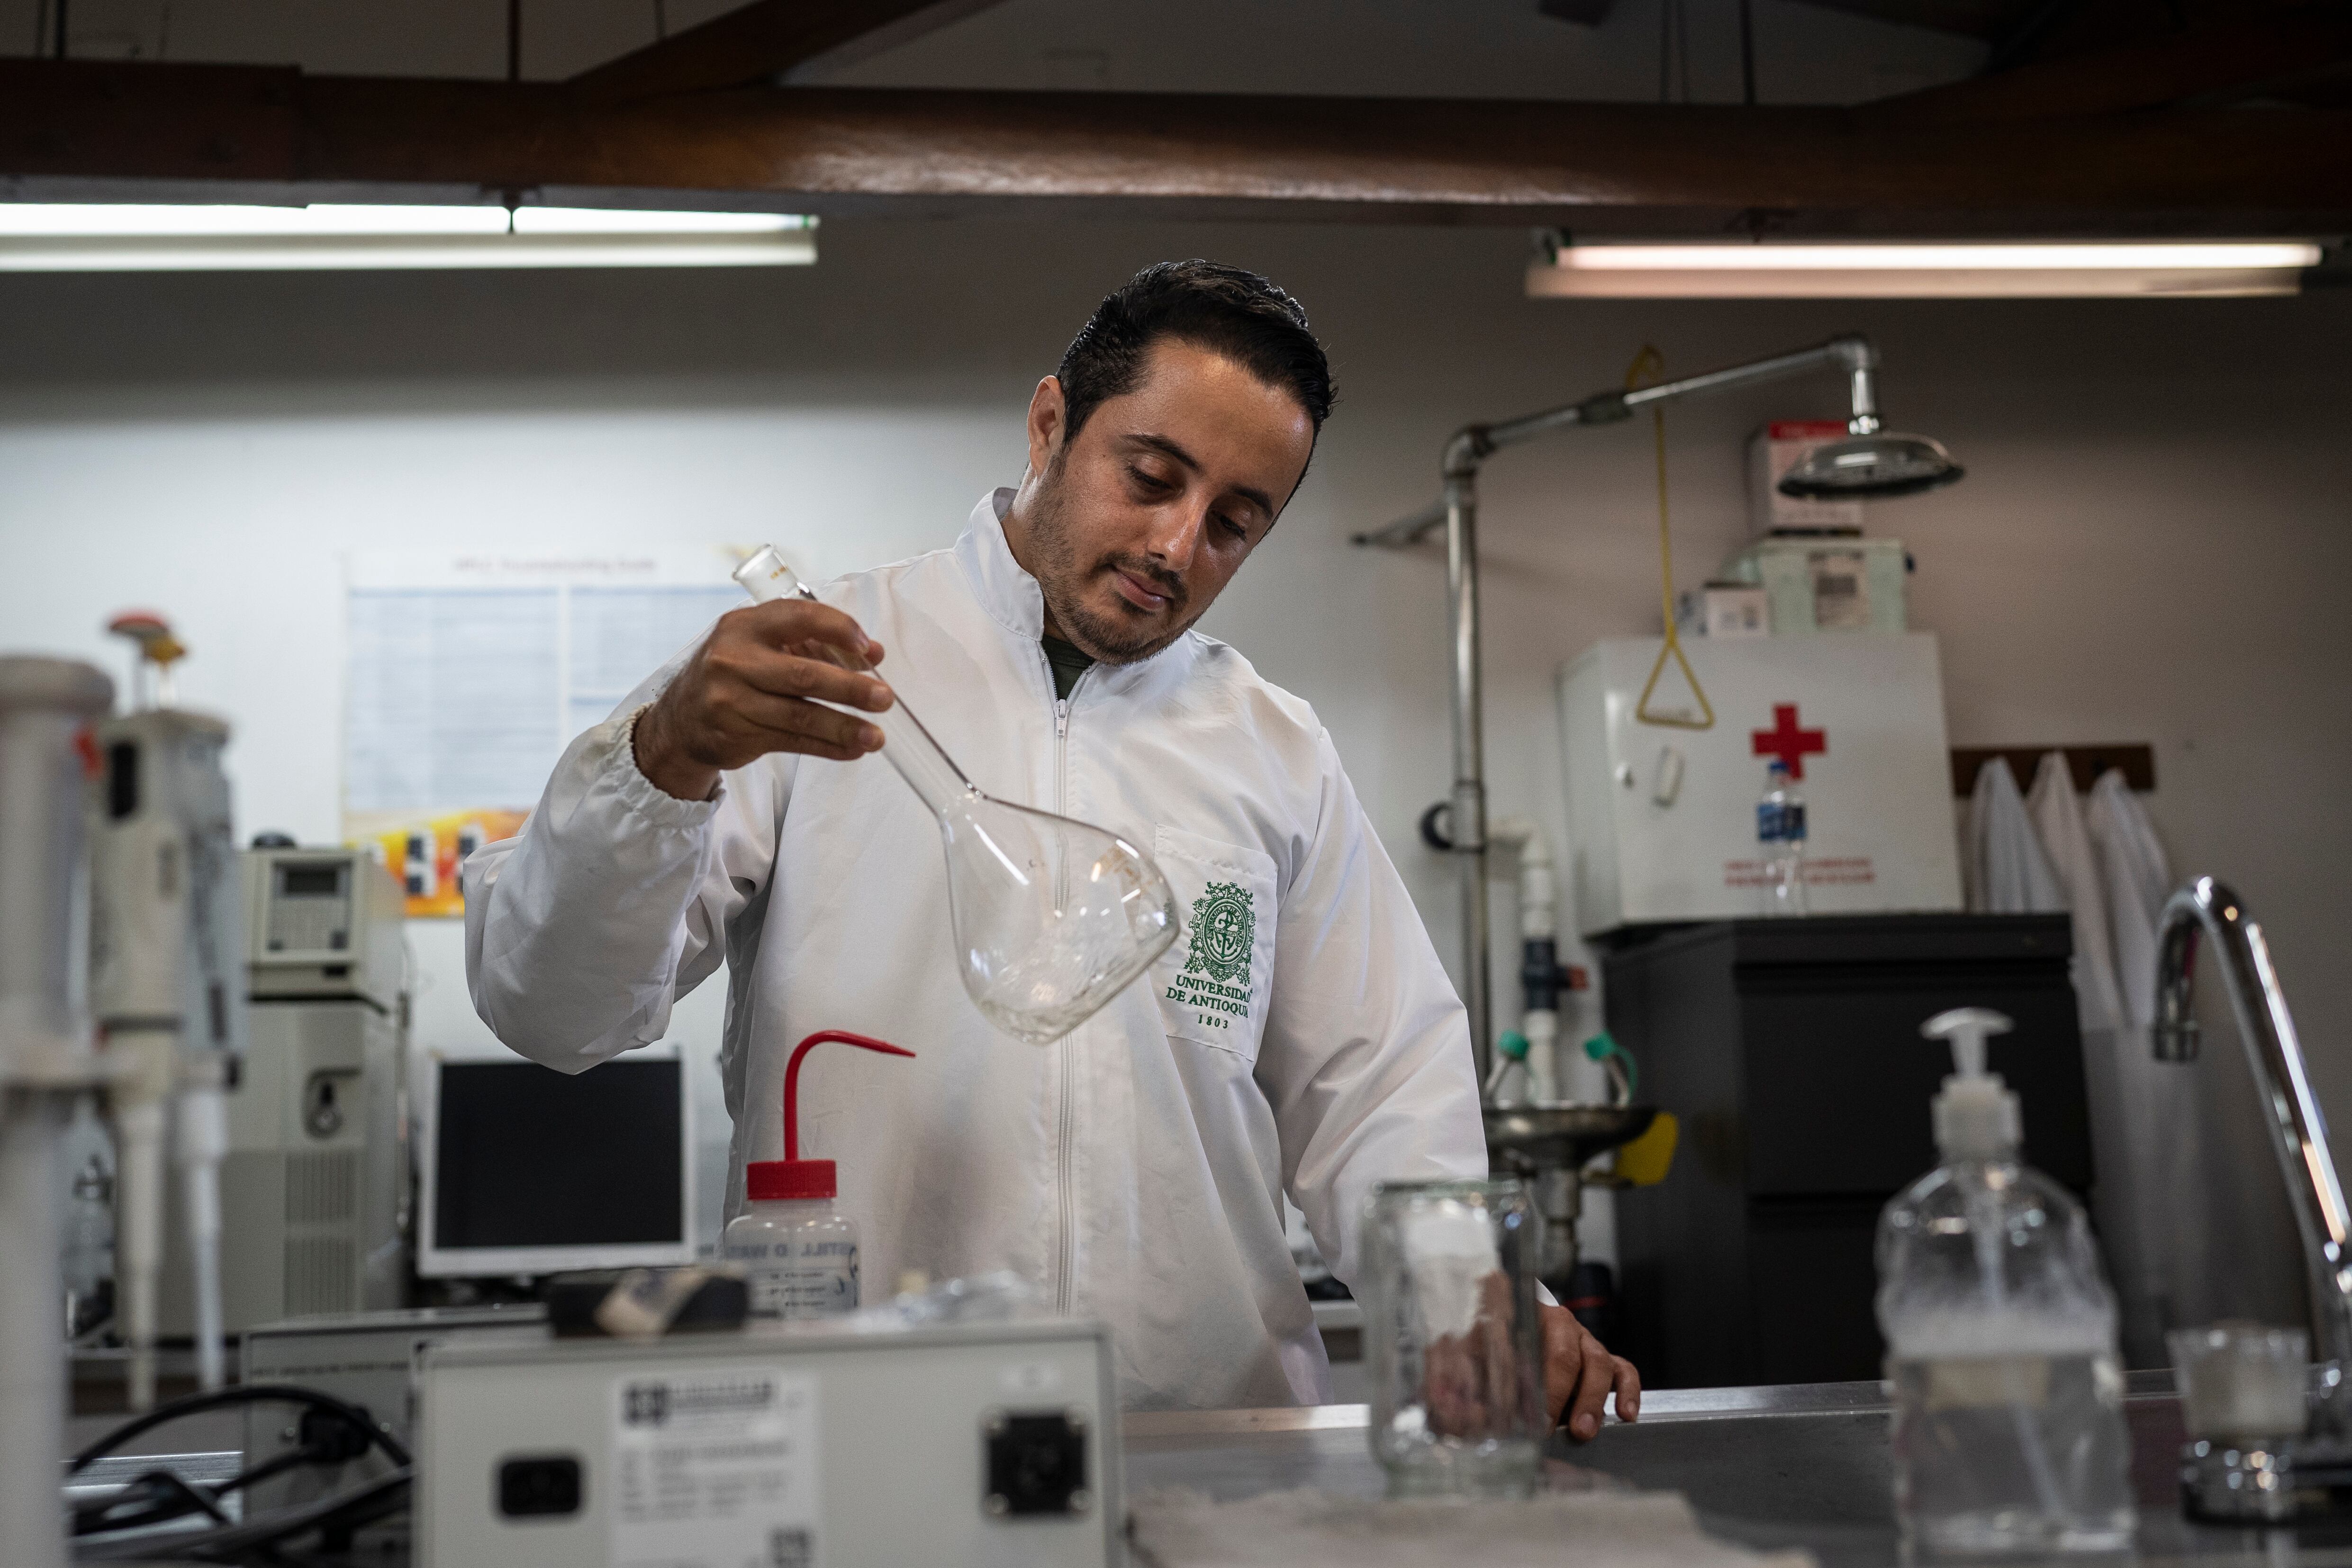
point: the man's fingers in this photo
(786, 621)
(1559, 1357)
(792, 675)
(787, 722)
(1629, 1389)
(1592, 1392)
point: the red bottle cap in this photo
(766, 1181)
(771, 1181)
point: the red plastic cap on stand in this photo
(792, 1178)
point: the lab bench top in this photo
(1801, 1465)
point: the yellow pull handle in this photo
(1645, 1161)
(1651, 362)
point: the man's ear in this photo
(1047, 412)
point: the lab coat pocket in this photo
(1213, 984)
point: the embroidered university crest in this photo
(1224, 933)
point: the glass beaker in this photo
(1454, 1345)
(1051, 917)
(2241, 1382)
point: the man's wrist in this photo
(660, 764)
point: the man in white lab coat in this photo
(1135, 1169)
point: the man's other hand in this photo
(1578, 1375)
(759, 683)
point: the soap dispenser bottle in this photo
(797, 1250)
(2009, 1427)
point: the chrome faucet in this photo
(2276, 1056)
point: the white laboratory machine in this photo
(314, 1188)
(1664, 814)
(985, 1444)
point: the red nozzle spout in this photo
(792, 1176)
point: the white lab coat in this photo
(2169, 1141)
(2057, 813)
(1134, 1171)
(2007, 873)
(2115, 1066)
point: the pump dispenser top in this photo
(1976, 1113)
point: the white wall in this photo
(2152, 544)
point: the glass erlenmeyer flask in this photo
(1051, 917)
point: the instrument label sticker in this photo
(715, 1468)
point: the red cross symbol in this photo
(1787, 742)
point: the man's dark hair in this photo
(1222, 308)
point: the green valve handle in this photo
(1604, 1046)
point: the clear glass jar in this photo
(1454, 1347)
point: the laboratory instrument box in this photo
(1826, 584)
(981, 1445)
(314, 1191)
(1791, 1049)
(1664, 817)
(367, 1359)
(1724, 610)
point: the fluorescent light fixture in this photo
(127, 238)
(1923, 271)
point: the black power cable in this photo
(227, 1398)
(332, 1431)
(98, 1517)
(181, 1499)
(363, 1504)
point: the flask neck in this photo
(927, 769)
(919, 758)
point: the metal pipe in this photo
(1467, 820)
(1465, 452)
(1405, 530)
(2273, 1052)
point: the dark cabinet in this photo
(1791, 1050)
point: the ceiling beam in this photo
(767, 39)
(1583, 12)
(1986, 19)
(2234, 58)
(212, 132)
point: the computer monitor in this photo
(530, 1171)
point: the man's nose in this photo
(1176, 534)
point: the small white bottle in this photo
(797, 1250)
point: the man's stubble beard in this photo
(1062, 573)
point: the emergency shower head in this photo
(1872, 461)
(1883, 463)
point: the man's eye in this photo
(1238, 529)
(1148, 481)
